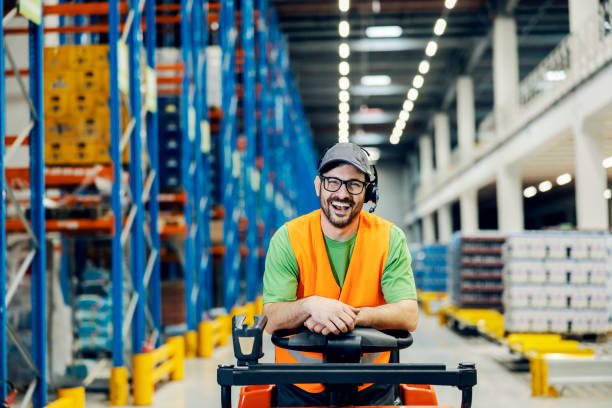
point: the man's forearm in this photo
(402, 315)
(285, 315)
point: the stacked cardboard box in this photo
(77, 114)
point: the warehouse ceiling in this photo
(311, 29)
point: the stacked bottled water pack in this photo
(557, 281)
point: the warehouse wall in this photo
(392, 205)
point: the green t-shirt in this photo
(281, 272)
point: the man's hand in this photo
(329, 315)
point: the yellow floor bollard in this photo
(118, 386)
(191, 344)
(226, 329)
(259, 305)
(77, 394)
(142, 378)
(206, 337)
(179, 358)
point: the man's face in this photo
(340, 207)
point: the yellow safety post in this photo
(142, 378)
(206, 338)
(69, 398)
(150, 368)
(118, 386)
(191, 344)
(225, 329)
(259, 305)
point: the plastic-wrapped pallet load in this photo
(474, 270)
(213, 75)
(555, 281)
(429, 266)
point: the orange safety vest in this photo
(362, 282)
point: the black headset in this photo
(372, 193)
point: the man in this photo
(337, 268)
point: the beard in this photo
(336, 220)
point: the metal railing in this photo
(577, 57)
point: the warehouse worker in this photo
(336, 268)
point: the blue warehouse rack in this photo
(263, 164)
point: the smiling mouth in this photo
(340, 207)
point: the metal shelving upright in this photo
(202, 203)
(3, 348)
(36, 259)
(229, 159)
(250, 172)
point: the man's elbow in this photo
(267, 311)
(413, 317)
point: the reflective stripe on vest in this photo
(361, 286)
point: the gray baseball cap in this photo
(346, 153)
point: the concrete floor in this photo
(497, 387)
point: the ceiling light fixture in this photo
(413, 94)
(344, 29)
(440, 26)
(607, 194)
(343, 107)
(424, 67)
(418, 81)
(344, 5)
(344, 50)
(555, 76)
(383, 31)
(431, 49)
(408, 106)
(530, 192)
(394, 140)
(404, 115)
(375, 80)
(343, 126)
(607, 162)
(545, 186)
(564, 179)
(449, 4)
(344, 96)
(343, 117)
(344, 83)
(344, 68)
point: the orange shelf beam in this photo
(63, 176)
(167, 198)
(71, 225)
(81, 9)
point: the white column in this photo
(426, 159)
(445, 224)
(468, 205)
(584, 27)
(442, 135)
(580, 11)
(466, 116)
(591, 206)
(509, 188)
(505, 71)
(429, 234)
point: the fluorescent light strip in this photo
(344, 29)
(383, 31)
(418, 81)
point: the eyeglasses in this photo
(333, 184)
